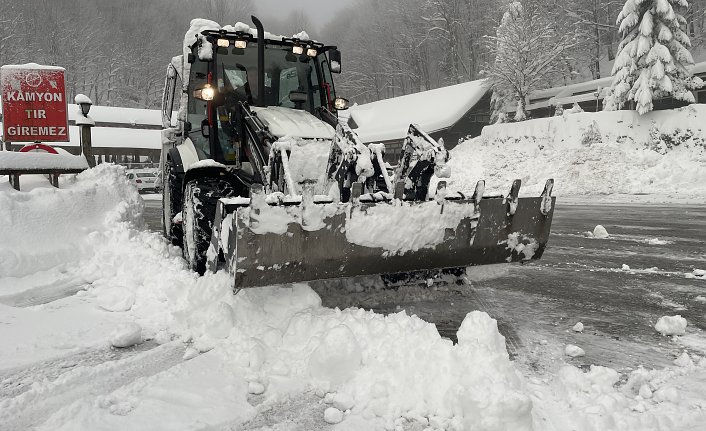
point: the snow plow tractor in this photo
(259, 173)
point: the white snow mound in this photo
(54, 226)
(662, 153)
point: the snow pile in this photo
(397, 228)
(671, 325)
(650, 400)
(402, 227)
(660, 153)
(46, 227)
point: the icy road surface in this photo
(579, 279)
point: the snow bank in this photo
(662, 153)
(46, 227)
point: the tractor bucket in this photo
(268, 245)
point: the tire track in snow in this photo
(45, 294)
(34, 406)
(17, 380)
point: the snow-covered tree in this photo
(528, 54)
(653, 55)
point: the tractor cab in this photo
(283, 86)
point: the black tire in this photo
(171, 203)
(198, 214)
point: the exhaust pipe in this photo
(260, 61)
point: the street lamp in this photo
(84, 102)
(85, 123)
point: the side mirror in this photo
(298, 96)
(205, 128)
(335, 60)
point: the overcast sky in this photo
(321, 11)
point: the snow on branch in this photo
(528, 54)
(653, 56)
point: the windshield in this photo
(290, 80)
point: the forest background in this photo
(116, 51)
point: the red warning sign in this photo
(34, 103)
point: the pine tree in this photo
(653, 55)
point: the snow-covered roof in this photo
(110, 114)
(572, 89)
(432, 110)
(579, 92)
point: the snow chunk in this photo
(333, 416)
(578, 327)
(302, 35)
(256, 388)
(671, 325)
(126, 335)
(343, 402)
(684, 360)
(600, 232)
(337, 357)
(574, 351)
(696, 274)
(116, 301)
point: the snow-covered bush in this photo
(653, 55)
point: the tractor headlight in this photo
(223, 43)
(241, 44)
(340, 103)
(207, 93)
(311, 52)
(298, 50)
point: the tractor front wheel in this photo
(198, 214)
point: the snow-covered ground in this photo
(79, 274)
(104, 328)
